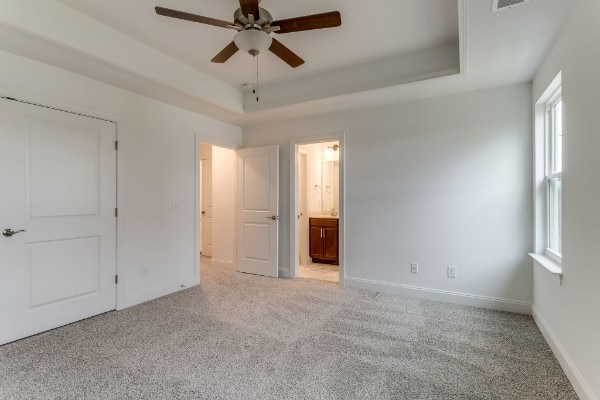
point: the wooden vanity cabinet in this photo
(324, 237)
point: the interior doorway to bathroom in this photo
(317, 229)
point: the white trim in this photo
(580, 385)
(197, 228)
(496, 9)
(555, 257)
(516, 306)
(43, 100)
(549, 265)
(463, 34)
(338, 93)
(540, 166)
(154, 293)
(197, 194)
(294, 143)
(286, 274)
(222, 264)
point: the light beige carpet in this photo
(248, 337)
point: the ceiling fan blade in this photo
(285, 54)
(309, 22)
(167, 12)
(226, 53)
(249, 7)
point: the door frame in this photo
(294, 247)
(303, 153)
(198, 140)
(120, 122)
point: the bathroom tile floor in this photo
(322, 272)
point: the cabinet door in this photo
(330, 244)
(316, 242)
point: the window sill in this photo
(550, 265)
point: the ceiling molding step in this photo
(61, 25)
(23, 45)
(429, 64)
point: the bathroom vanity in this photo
(324, 240)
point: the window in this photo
(548, 179)
(554, 167)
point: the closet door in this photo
(57, 214)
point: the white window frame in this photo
(542, 174)
(550, 174)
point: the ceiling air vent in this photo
(500, 5)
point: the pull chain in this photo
(256, 90)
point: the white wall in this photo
(224, 201)
(314, 167)
(440, 182)
(156, 165)
(570, 313)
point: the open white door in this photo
(258, 210)
(207, 208)
(58, 180)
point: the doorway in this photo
(206, 207)
(216, 205)
(317, 201)
(238, 211)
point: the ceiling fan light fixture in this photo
(252, 41)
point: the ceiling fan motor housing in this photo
(261, 21)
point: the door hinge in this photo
(116, 212)
(116, 279)
(116, 145)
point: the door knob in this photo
(274, 217)
(203, 212)
(9, 232)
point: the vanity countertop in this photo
(324, 216)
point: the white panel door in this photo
(258, 210)
(207, 208)
(58, 180)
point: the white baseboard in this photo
(285, 274)
(154, 293)
(222, 263)
(521, 307)
(579, 384)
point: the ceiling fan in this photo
(254, 25)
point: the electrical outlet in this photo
(175, 206)
(451, 271)
(414, 268)
(144, 272)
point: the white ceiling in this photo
(386, 51)
(371, 31)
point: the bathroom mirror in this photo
(330, 184)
